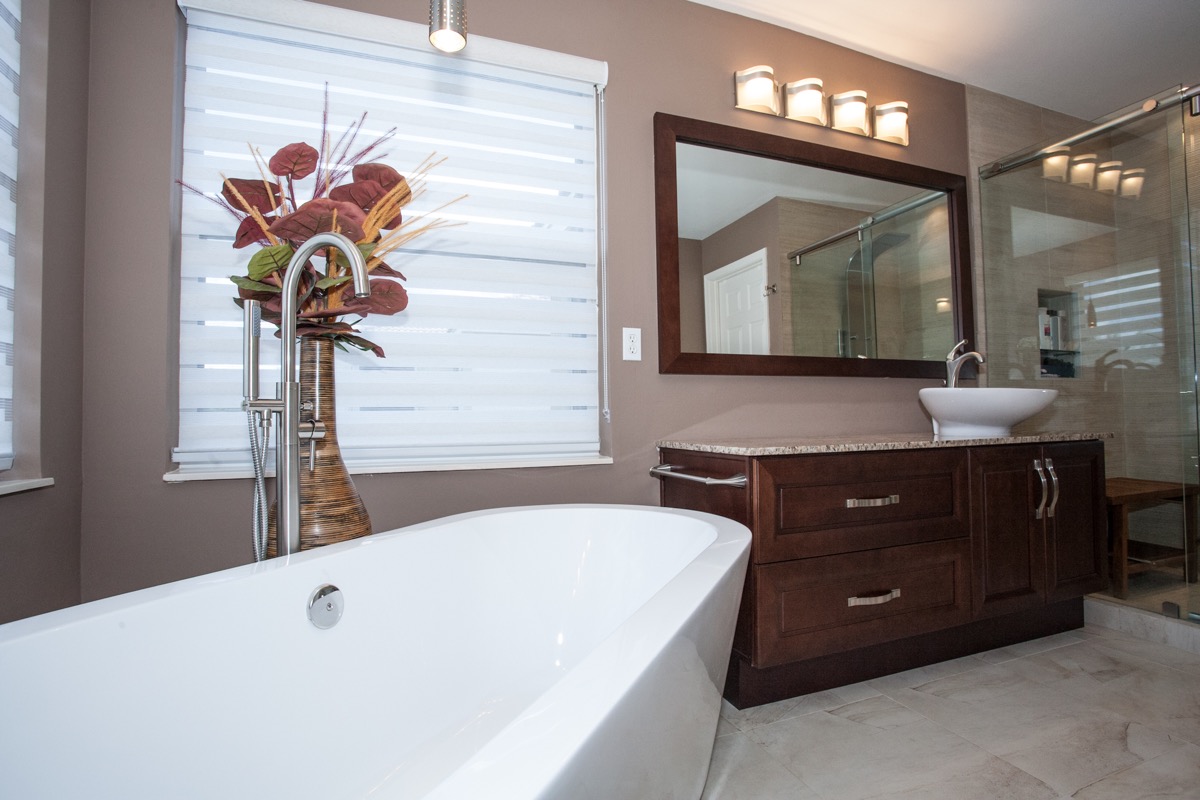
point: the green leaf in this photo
(326, 283)
(268, 260)
(253, 286)
(366, 248)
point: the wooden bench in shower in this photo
(1131, 494)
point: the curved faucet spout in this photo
(954, 365)
(291, 284)
(287, 451)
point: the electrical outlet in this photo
(631, 344)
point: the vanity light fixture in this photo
(1056, 163)
(1131, 183)
(891, 122)
(1083, 170)
(448, 25)
(850, 112)
(1108, 177)
(756, 89)
(804, 101)
(941, 304)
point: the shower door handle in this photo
(1037, 467)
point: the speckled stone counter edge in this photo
(802, 445)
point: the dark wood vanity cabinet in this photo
(870, 562)
(1037, 510)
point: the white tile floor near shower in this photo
(1093, 713)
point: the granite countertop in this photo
(800, 445)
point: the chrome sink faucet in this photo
(286, 404)
(954, 362)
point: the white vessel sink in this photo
(979, 413)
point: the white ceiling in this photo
(1082, 57)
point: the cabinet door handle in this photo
(872, 502)
(1054, 481)
(873, 599)
(1037, 467)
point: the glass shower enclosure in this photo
(1090, 287)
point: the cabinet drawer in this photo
(816, 606)
(828, 504)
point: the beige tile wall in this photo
(1129, 385)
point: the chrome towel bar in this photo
(667, 471)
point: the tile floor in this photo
(1095, 714)
(1149, 589)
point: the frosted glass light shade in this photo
(1056, 164)
(850, 112)
(1108, 177)
(804, 101)
(448, 25)
(1083, 170)
(756, 89)
(891, 122)
(1131, 182)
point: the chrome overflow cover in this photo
(325, 606)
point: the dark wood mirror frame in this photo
(670, 130)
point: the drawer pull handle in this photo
(873, 599)
(665, 471)
(872, 502)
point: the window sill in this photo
(383, 468)
(24, 485)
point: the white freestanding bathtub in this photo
(567, 652)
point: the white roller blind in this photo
(495, 361)
(10, 60)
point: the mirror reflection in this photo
(779, 258)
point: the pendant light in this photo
(448, 25)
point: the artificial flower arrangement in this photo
(367, 210)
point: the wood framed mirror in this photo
(784, 257)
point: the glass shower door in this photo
(1090, 289)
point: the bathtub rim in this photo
(64, 617)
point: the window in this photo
(10, 59)
(496, 360)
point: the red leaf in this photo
(299, 160)
(256, 193)
(382, 269)
(364, 194)
(382, 174)
(317, 216)
(387, 297)
(250, 232)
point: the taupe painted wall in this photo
(40, 530)
(664, 55)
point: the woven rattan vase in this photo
(330, 508)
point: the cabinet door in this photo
(1076, 533)
(1009, 546)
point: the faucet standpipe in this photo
(286, 403)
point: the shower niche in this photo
(1058, 333)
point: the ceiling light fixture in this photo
(448, 25)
